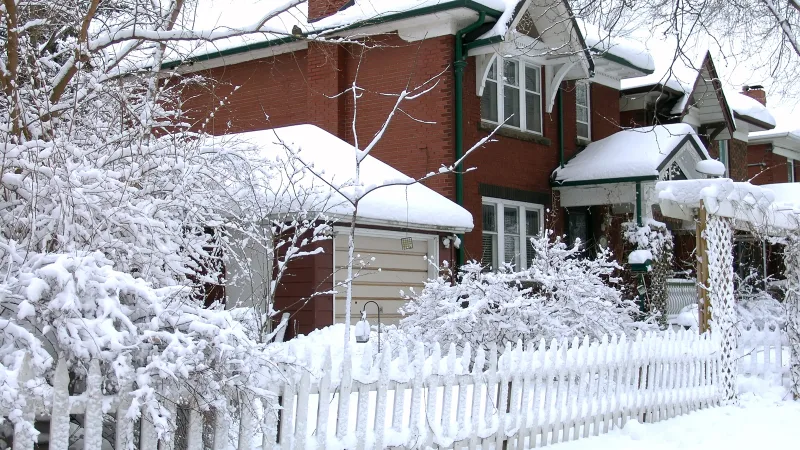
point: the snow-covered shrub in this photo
(756, 307)
(561, 295)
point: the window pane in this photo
(531, 79)
(583, 130)
(510, 73)
(488, 258)
(489, 101)
(533, 111)
(489, 218)
(531, 222)
(790, 165)
(583, 114)
(511, 249)
(511, 220)
(511, 105)
(581, 94)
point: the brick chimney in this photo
(320, 9)
(757, 92)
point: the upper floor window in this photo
(512, 94)
(582, 108)
(508, 227)
(724, 157)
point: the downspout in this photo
(560, 128)
(639, 203)
(459, 65)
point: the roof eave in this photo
(441, 7)
(753, 121)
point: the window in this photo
(723, 155)
(511, 224)
(512, 93)
(790, 165)
(582, 110)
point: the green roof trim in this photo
(621, 61)
(454, 4)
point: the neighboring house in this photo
(773, 155)
(559, 94)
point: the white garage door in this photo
(399, 270)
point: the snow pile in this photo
(634, 152)
(561, 295)
(602, 42)
(742, 105)
(711, 167)
(640, 257)
(325, 172)
(763, 419)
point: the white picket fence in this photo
(764, 353)
(521, 397)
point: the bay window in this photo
(512, 94)
(582, 110)
(507, 229)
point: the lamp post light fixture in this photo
(362, 327)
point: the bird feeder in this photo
(362, 329)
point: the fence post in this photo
(23, 429)
(59, 417)
(93, 422)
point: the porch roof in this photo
(635, 154)
(317, 173)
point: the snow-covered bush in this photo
(561, 295)
(655, 238)
(756, 307)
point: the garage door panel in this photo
(400, 270)
(387, 276)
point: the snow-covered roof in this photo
(231, 15)
(748, 108)
(333, 161)
(784, 129)
(674, 69)
(635, 152)
(628, 51)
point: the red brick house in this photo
(553, 94)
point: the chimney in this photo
(320, 9)
(756, 92)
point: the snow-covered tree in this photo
(116, 212)
(561, 295)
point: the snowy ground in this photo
(764, 419)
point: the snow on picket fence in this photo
(520, 397)
(764, 353)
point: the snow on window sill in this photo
(515, 133)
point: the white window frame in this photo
(790, 170)
(500, 205)
(523, 90)
(588, 107)
(724, 149)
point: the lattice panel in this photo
(719, 240)
(792, 303)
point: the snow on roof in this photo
(746, 106)
(601, 41)
(228, 15)
(784, 128)
(635, 152)
(675, 69)
(333, 160)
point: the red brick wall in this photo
(737, 166)
(605, 111)
(271, 93)
(317, 9)
(508, 162)
(765, 167)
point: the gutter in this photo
(441, 7)
(753, 121)
(561, 128)
(459, 65)
(558, 184)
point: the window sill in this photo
(514, 133)
(582, 141)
